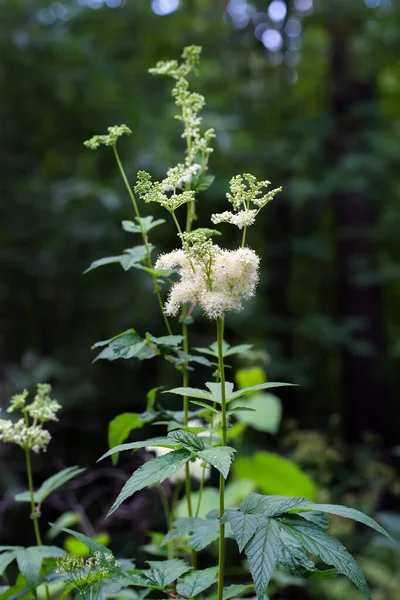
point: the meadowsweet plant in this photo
(197, 278)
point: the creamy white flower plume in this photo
(219, 282)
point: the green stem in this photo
(221, 546)
(188, 490)
(168, 517)
(203, 475)
(34, 515)
(144, 237)
(31, 493)
(244, 235)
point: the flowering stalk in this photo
(221, 545)
(144, 237)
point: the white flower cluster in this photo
(218, 283)
(110, 139)
(197, 467)
(42, 409)
(241, 219)
(31, 437)
(245, 189)
(178, 176)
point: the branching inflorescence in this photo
(275, 532)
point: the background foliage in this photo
(314, 107)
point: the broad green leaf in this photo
(92, 544)
(215, 389)
(271, 505)
(263, 552)
(5, 559)
(233, 591)
(274, 474)
(153, 471)
(130, 345)
(144, 224)
(295, 560)
(266, 412)
(205, 405)
(191, 392)
(320, 543)
(164, 572)
(204, 535)
(261, 386)
(50, 485)
(65, 520)
(121, 426)
(164, 442)
(168, 341)
(103, 261)
(227, 350)
(133, 256)
(220, 457)
(30, 561)
(243, 525)
(237, 409)
(196, 582)
(201, 182)
(348, 513)
(188, 440)
(201, 532)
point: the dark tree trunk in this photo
(354, 112)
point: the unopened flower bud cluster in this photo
(30, 435)
(190, 103)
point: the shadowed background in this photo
(304, 94)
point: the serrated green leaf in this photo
(191, 392)
(164, 442)
(263, 552)
(92, 544)
(243, 525)
(215, 389)
(122, 425)
(205, 405)
(320, 543)
(201, 182)
(232, 591)
(168, 341)
(50, 485)
(188, 440)
(65, 520)
(144, 224)
(165, 572)
(348, 513)
(201, 532)
(220, 457)
(271, 505)
(133, 256)
(5, 559)
(261, 386)
(108, 260)
(153, 471)
(196, 582)
(30, 560)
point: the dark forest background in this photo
(310, 101)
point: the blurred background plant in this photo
(303, 92)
